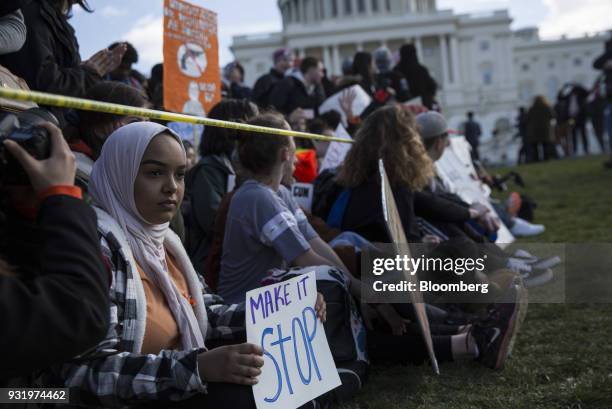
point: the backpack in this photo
(344, 329)
(10, 80)
(326, 190)
(336, 214)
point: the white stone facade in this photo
(478, 61)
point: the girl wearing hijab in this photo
(160, 346)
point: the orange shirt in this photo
(161, 331)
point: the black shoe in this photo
(351, 384)
(494, 334)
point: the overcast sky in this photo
(140, 21)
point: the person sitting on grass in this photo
(212, 177)
(170, 343)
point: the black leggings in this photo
(580, 128)
(383, 346)
(407, 348)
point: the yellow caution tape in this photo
(44, 98)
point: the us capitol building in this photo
(480, 63)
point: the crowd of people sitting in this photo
(129, 251)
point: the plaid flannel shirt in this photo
(112, 374)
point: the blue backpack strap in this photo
(478, 228)
(336, 214)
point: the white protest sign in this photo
(302, 193)
(187, 132)
(418, 101)
(456, 170)
(360, 103)
(336, 152)
(298, 363)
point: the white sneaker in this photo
(525, 255)
(535, 262)
(537, 277)
(532, 276)
(546, 263)
(518, 266)
(522, 228)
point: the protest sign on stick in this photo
(398, 236)
(192, 79)
(298, 364)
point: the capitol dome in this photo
(313, 11)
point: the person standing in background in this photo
(124, 72)
(539, 118)
(283, 61)
(363, 66)
(604, 63)
(49, 60)
(232, 84)
(391, 84)
(300, 89)
(521, 125)
(472, 132)
(420, 82)
(596, 108)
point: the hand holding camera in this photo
(58, 169)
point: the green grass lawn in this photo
(562, 357)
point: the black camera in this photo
(23, 128)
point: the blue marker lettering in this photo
(311, 336)
(269, 304)
(278, 299)
(280, 342)
(278, 372)
(286, 294)
(255, 306)
(305, 381)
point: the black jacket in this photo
(235, 90)
(9, 6)
(394, 80)
(440, 207)
(599, 64)
(420, 82)
(364, 213)
(290, 93)
(56, 304)
(263, 87)
(49, 60)
(206, 185)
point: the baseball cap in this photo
(431, 124)
(281, 53)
